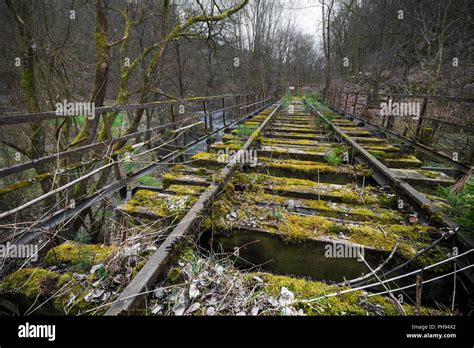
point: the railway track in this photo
(303, 189)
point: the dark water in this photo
(302, 259)
(217, 122)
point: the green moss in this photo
(229, 138)
(301, 142)
(149, 180)
(78, 255)
(379, 154)
(30, 282)
(345, 304)
(345, 193)
(175, 276)
(65, 293)
(368, 140)
(22, 184)
(160, 205)
(226, 146)
(311, 168)
(293, 129)
(125, 149)
(185, 190)
(296, 228)
(409, 160)
(325, 208)
(382, 148)
(428, 173)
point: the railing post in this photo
(223, 111)
(206, 124)
(173, 120)
(419, 124)
(386, 118)
(345, 104)
(108, 129)
(237, 105)
(355, 104)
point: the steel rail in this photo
(158, 262)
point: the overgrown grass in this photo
(315, 99)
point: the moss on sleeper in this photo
(159, 204)
(312, 168)
(346, 304)
(298, 228)
(382, 148)
(428, 173)
(76, 254)
(226, 146)
(328, 209)
(301, 142)
(65, 293)
(292, 129)
(184, 190)
(345, 193)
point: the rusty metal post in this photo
(419, 289)
(208, 124)
(223, 111)
(345, 104)
(354, 109)
(419, 124)
(149, 117)
(108, 129)
(237, 105)
(173, 120)
(388, 119)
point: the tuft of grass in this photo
(149, 180)
(334, 157)
(461, 205)
(286, 100)
(244, 131)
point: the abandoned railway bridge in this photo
(308, 192)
